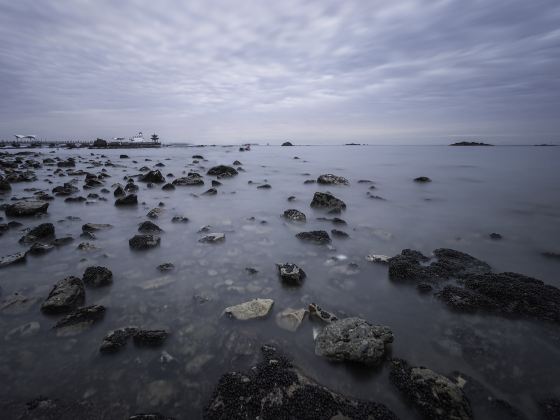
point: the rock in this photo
(144, 241)
(422, 179)
(155, 213)
(322, 314)
(434, 396)
(291, 274)
(26, 208)
(39, 248)
(66, 295)
(68, 163)
(119, 191)
(23, 331)
(168, 187)
(424, 287)
(330, 179)
(42, 231)
(264, 187)
(378, 258)
(86, 246)
(327, 200)
(287, 143)
(193, 179)
(18, 257)
(290, 319)
(507, 294)
(79, 199)
(66, 189)
(495, 236)
(213, 238)
(256, 308)
(153, 176)
(353, 340)
(94, 227)
(4, 185)
(211, 191)
(549, 408)
(339, 234)
(129, 200)
(275, 389)
(222, 171)
(79, 320)
(294, 215)
(412, 266)
(149, 338)
(96, 276)
(147, 227)
(117, 339)
(65, 240)
(123, 156)
(316, 236)
(166, 267)
(216, 183)
(552, 255)
(179, 219)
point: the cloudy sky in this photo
(376, 71)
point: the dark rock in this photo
(198, 157)
(94, 227)
(119, 191)
(222, 171)
(213, 238)
(287, 143)
(339, 234)
(193, 179)
(550, 408)
(66, 295)
(236, 163)
(39, 248)
(144, 241)
(66, 189)
(68, 163)
(316, 236)
(168, 187)
(309, 181)
(153, 176)
(81, 318)
(424, 287)
(326, 200)
(26, 208)
(40, 232)
(353, 340)
(4, 185)
(552, 255)
(150, 338)
(116, 339)
(291, 274)
(65, 240)
(211, 191)
(295, 215)
(166, 267)
(330, 179)
(147, 227)
(129, 200)
(216, 183)
(422, 179)
(264, 187)
(78, 199)
(275, 389)
(96, 276)
(16, 258)
(495, 236)
(123, 156)
(179, 219)
(435, 396)
(43, 408)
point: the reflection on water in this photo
(512, 191)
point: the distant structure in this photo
(154, 138)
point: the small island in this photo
(287, 143)
(470, 143)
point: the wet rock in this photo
(94, 227)
(39, 248)
(412, 266)
(275, 389)
(148, 227)
(4, 185)
(129, 200)
(424, 287)
(321, 313)
(193, 179)
(123, 157)
(264, 187)
(222, 171)
(119, 191)
(79, 320)
(26, 208)
(339, 234)
(211, 191)
(434, 396)
(86, 246)
(327, 200)
(16, 258)
(23, 331)
(316, 236)
(179, 219)
(198, 157)
(155, 213)
(507, 294)
(291, 274)
(68, 163)
(256, 308)
(216, 183)
(44, 408)
(153, 176)
(354, 340)
(144, 241)
(422, 179)
(66, 189)
(40, 232)
(330, 179)
(294, 215)
(65, 240)
(290, 319)
(78, 199)
(66, 295)
(97, 276)
(168, 187)
(550, 408)
(495, 236)
(117, 339)
(287, 143)
(149, 338)
(213, 238)
(378, 258)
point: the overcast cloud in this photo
(378, 71)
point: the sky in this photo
(312, 72)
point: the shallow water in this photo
(514, 191)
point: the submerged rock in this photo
(294, 215)
(422, 179)
(275, 389)
(18, 257)
(144, 241)
(354, 340)
(330, 179)
(339, 234)
(435, 396)
(316, 236)
(153, 176)
(39, 248)
(94, 227)
(129, 200)
(149, 338)
(42, 231)
(66, 295)
(96, 276)
(213, 238)
(193, 179)
(290, 319)
(222, 171)
(79, 320)
(116, 339)
(26, 208)
(327, 200)
(291, 274)
(147, 227)
(256, 308)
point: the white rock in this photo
(290, 319)
(256, 308)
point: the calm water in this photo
(514, 191)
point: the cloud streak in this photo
(315, 72)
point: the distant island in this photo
(352, 144)
(546, 145)
(287, 143)
(470, 143)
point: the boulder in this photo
(66, 295)
(26, 208)
(256, 308)
(96, 276)
(153, 176)
(353, 340)
(144, 241)
(39, 248)
(320, 237)
(149, 338)
(327, 200)
(191, 180)
(294, 215)
(330, 179)
(148, 227)
(42, 231)
(129, 200)
(168, 187)
(222, 171)
(291, 274)
(339, 234)
(287, 143)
